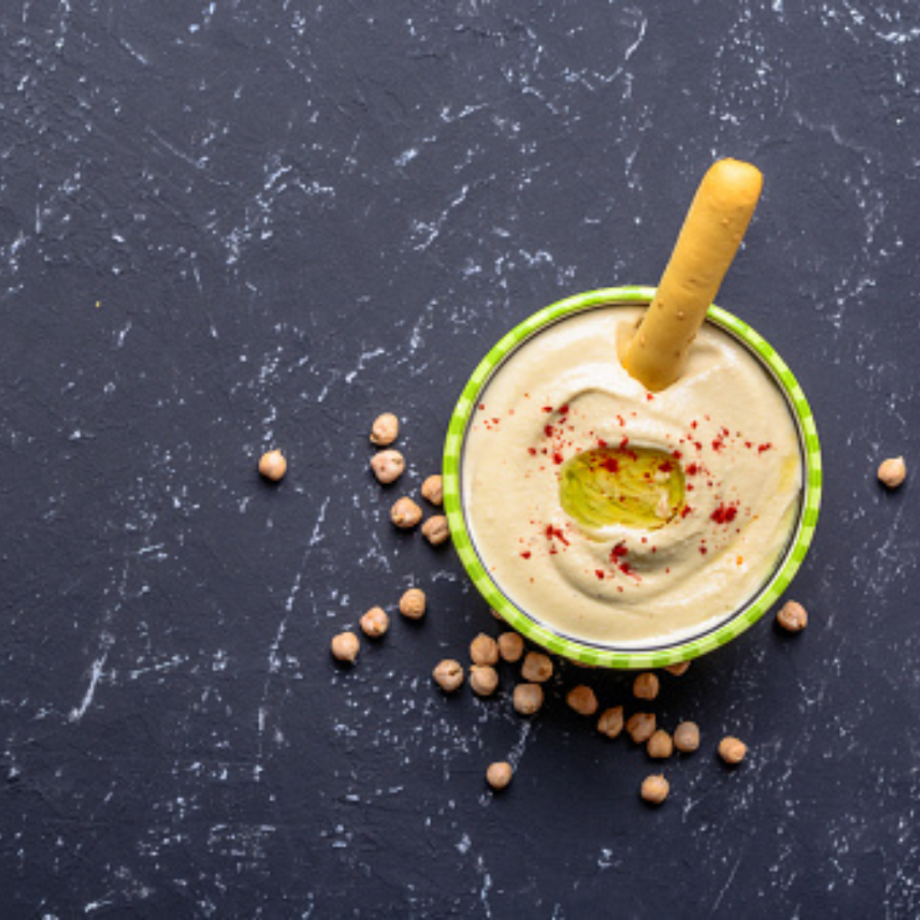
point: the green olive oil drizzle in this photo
(640, 487)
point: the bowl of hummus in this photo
(621, 527)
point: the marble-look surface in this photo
(233, 225)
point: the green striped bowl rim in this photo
(603, 655)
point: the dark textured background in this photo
(254, 223)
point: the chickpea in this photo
(375, 622)
(272, 465)
(484, 650)
(582, 699)
(537, 667)
(433, 490)
(611, 722)
(660, 746)
(413, 604)
(892, 472)
(645, 686)
(793, 617)
(528, 698)
(388, 466)
(641, 726)
(687, 737)
(405, 514)
(436, 530)
(499, 775)
(510, 646)
(497, 615)
(655, 789)
(731, 750)
(345, 647)
(448, 675)
(678, 670)
(483, 679)
(385, 429)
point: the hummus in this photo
(729, 472)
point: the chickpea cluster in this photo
(488, 655)
(388, 465)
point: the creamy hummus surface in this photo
(724, 423)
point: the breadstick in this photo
(712, 231)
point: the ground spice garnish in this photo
(724, 514)
(556, 532)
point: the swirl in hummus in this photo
(725, 424)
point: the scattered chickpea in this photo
(497, 615)
(645, 686)
(272, 465)
(345, 647)
(412, 604)
(892, 472)
(405, 514)
(678, 670)
(499, 775)
(611, 722)
(375, 622)
(655, 789)
(433, 490)
(484, 650)
(731, 750)
(388, 466)
(793, 617)
(385, 429)
(660, 746)
(510, 646)
(436, 530)
(448, 675)
(687, 737)
(641, 726)
(537, 667)
(528, 698)
(582, 699)
(483, 679)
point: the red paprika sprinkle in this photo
(557, 533)
(724, 514)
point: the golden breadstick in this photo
(719, 215)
